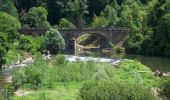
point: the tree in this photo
(56, 9)
(3, 48)
(110, 13)
(37, 18)
(96, 6)
(64, 23)
(160, 43)
(107, 18)
(53, 42)
(134, 17)
(9, 25)
(8, 7)
(24, 5)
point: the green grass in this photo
(61, 91)
(133, 71)
(61, 80)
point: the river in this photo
(154, 63)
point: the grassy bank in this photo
(62, 80)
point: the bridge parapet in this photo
(114, 35)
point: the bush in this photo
(59, 60)
(114, 90)
(165, 88)
(25, 43)
(29, 77)
(53, 41)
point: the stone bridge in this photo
(114, 35)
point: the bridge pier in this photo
(114, 35)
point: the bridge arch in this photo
(115, 35)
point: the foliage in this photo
(108, 18)
(160, 43)
(133, 71)
(9, 25)
(99, 22)
(64, 23)
(8, 7)
(31, 44)
(165, 88)
(37, 18)
(115, 90)
(43, 73)
(53, 41)
(25, 43)
(3, 48)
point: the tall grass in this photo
(45, 73)
(115, 90)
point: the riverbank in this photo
(59, 78)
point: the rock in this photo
(22, 92)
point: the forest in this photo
(148, 20)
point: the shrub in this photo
(59, 60)
(53, 41)
(25, 43)
(29, 77)
(114, 90)
(165, 88)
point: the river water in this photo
(154, 63)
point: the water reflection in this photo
(160, 63)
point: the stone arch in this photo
(103, 38)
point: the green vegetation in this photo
(3, 48)
(8, 7)
(149, 24)
(115, 90)
(62, 79)
(64, 23)
(165, 88)
(37, 18)
(9, 25)
(145, 19)
(53, 41)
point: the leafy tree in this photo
(99, 22)
(64, 23)
(53, 42)
(110, 13)
(8, 7)
(77, 9)
(96, 6)
(56, 9)
(158, 10)
(134, 17)
(160, 43)
(9, 25)
(3, 48)
(37, 18)
(108, 18)
(24, 5)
